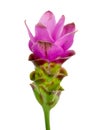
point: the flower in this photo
(52, 40)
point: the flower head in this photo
(52, 40)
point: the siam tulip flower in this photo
(52, 40)
(50, 48)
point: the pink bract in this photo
(52, 40)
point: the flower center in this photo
(45, 46)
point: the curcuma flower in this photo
(50, 48)
(52, 40)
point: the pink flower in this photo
(52, 40)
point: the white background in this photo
(78, 105)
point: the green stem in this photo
(47, 117)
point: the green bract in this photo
(46, 83)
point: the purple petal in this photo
(42, 33)
(68, 28)
(66, 41)
(30, 44)
(58, 28)
(29, 32)
(66, 55)
(48, 20)
(54, 52)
